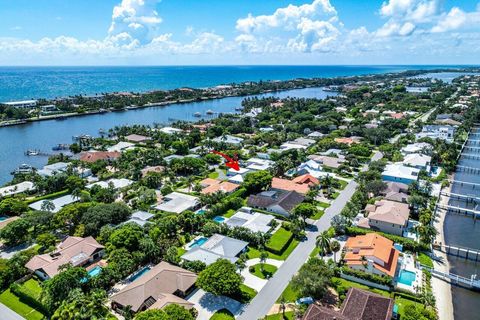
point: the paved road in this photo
(7, 314)
(266, 298)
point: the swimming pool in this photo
(219, 219)
(406, 277)
(201, 211)
(139, 274)
(3, 218)
(95, 271)
(198, 242)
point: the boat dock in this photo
(470, 283)
(457, 251)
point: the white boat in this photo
(209, 111)
(197, 114)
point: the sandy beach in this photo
(441, 288)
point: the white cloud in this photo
(137, 18)
(304, 28)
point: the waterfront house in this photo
(160, 286)
(176, 202)
(76, 251)
(94, 156)
(170, 130)
(136, 138)
(216, 247)
(442, 132)
(372, 253)
(279, 202)
(386, 216)
(51, 169)
(400, 173)
(26, 104)
(417, 160)
(359, 304)
(300, 184)
(58, 203)
(21, 187)
(245, 217)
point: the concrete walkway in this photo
(8, 314)
(207, 304)
(253, 281)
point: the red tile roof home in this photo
(94, 156)
(358, 305)
(348, 141)
(162, 285)
(225, 186)
(397, 115)
(75, 250)
(300, 184)
(389, 212)
(378, 251)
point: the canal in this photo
(43, 135)
(463, 231)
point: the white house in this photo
(170, 130)
(442, 132)
(417, 160)
(399, 173)
(51, 169)
(116, 183)
(176, 202)
(257, 164)
(311, 167)
(58, 203)
(22, 104)
(236, 141)
(417, 147)
(17, 188)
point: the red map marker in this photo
(230, 162)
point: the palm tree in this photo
(48, 205)
(335, 247)
(283, 305)
(428, 299)
(263, 259)
(323, 243)
(364, 261)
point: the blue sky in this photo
(131, 32)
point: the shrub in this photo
(385, 280)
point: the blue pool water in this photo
(201, 211)
(3, 218)
(95, 271)
(198, 242)
(406, 277)
(139, 274)
(219, 219)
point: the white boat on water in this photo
(209, 111)
(197, 114)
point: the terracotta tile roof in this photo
(137, 138)
(209, 182)
(147, 170)
(158, 284)
(225, 186)
(372, 245)
(75, 250)
(300, 184)
(94, 156)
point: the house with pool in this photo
(209, 250)
(155, 288)
(397, 172)
(77, 251)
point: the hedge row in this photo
(385, 280)
(48, 196)
(408, 244)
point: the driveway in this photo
(253, 281)
(8, 314)
(7, 253)
(207, 304)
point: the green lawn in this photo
(247, 293)
(33, 287)
(14, 303)
(288, 316)
(402, 303)
(323, 204)
(349, 284)
(213, 175)
(318, 215)
(335, 195)
(222, 314)
(289, 295)
(255, 253)
(229, 213)
(425, 260)
(268, 270)
(279, 239)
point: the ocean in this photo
(21, 83)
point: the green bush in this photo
(408, 244)
(385, 280)
(48, 196)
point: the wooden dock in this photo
(470, 283)
(457, 196)
(465, 183)
(461, 252)
(459, 210)
(468, 169)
